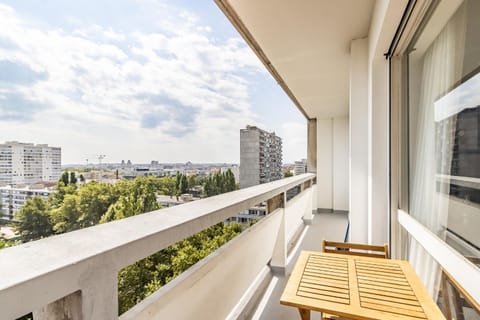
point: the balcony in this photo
(357, 126)
(76, 273)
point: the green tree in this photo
(3, 244)
(82, 178)
(178, 179)
(168, 186)
(33, 220)
(64, 178)
(56, 198)
(183, 187)
(122, 208)
(141, 279)
(192, 181)
(94, 200)
(65, 218)
(132, 281)
(287, 173)
(219, 183)
(229, 181)
(73, 178)
(140, 196)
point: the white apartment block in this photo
(300, 167)
(27, 163)
(260, 157)
(13, 198)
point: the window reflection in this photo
(444, 133)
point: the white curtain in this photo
(432, 145)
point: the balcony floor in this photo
(331, 226)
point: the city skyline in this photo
(156, 80)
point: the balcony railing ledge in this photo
(46, 270)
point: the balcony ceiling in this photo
(305, 44)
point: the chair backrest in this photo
(454, 298)
(356, 249)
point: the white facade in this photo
(300, 167)
(260, 157)
(26, 163)
(13, 198)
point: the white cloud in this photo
(103, 84)
(294, 138)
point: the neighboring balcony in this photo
(74, 275)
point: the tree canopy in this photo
(219, 183)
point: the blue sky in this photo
(136, 79)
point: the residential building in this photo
(13, 198)
(260, 156)
(300, 167)
(375, 80)
(27, 163)
(252, 214)
(170, 201)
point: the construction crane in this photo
(99, 157)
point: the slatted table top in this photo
(358, 288)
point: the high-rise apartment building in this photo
(260, 156)
(27, 163)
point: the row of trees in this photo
(74, 207)
(219, 183)
(70, 178)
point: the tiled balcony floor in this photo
(331, 226)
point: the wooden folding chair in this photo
(352, 249)
(455, 298)
(356, 249)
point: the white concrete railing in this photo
(80, 268)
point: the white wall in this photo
(324, 163)
(386, 18)
(332, 163)
(340, 164)
(358, 164)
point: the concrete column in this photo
(67, 308)
(358, 131)
(308, 215)
(100, 296)
(279, 255)
(384, 23)
(97, 300)
(340, 164)
(312, 164)
(312, 146)
(325, 164)
(378, 208)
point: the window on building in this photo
(443, 94)
(444, 128)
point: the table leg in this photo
(304, 313)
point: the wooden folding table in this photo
(358, 288)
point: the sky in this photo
(136, 80)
